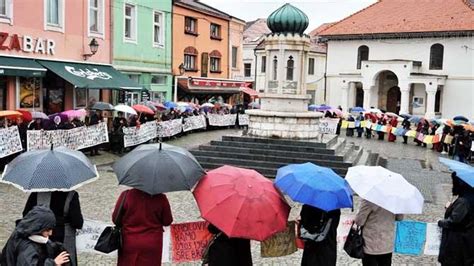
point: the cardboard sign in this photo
(74, 139)
(280, 244)
(410, 237)
(137, 135)
(433, 239)
(243, 119)
(328, 126)
(10, 142)
(189, 241)
(87, 237)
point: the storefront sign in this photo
(216, 83)
(28, 45)
(89, 73)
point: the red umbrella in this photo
(25, 114)
(143, 109)
(241, 203)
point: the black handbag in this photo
(111, 238)
(354, 245)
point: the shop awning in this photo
(22, 67)
(250, 92)
(91, 76)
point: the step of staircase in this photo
(315, 144)
(292, 148)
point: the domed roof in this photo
(288, 19)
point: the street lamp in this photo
(94, 46)
(181, 72)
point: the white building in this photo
(419, 59)
(254, 33)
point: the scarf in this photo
(38, 239)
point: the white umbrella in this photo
(208, 105)
(184, 104)
(374, 110)
(386, 189)
(125, 108)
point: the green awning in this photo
(22, 67)
(91, 76)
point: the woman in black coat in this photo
(457, 240)
(324, 252)
(67, 210)
(30, 244)
(228, 251)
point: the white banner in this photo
(222, 120)
(243, 120)
(194, 122)
(328, 125)
(343, 229)
(170, 128)
(138, 135)
(433, 239)
(10, 142)
(75, 139)
(87, 237)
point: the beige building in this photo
(236, 36)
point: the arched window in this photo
(290, 65)
(436, 56)
(362, 54)
(190, 58)
(215, 61)
(275, 68)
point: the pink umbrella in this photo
(337, 112)
(75, 113)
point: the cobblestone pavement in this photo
(419, 165)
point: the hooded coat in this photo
(228, 251)
(20, 250)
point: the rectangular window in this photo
(247, 70)
(159, 80)
(311, 66)
(96, 17)
(190, 25)
(235, 50)
(263, 68)
(54, 14)
(130, 22)
(215, 31)
(215, 64)
(158, 29)
(3, 8)
(158, 96)
(189, 62)
(6, 11)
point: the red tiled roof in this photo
(255, 29)
(319, 29)
(407, 16)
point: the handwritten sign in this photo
(343, 229)
(328, 126)
(410, 237)
(194, 122)
(280, 244)
(10, 142)
(189, 240)
(222, 120)
(243, 119)
(165, 254)
(137, 135)
(433, 239)
(87, 237)
(170, 128)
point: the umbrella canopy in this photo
(463, 171)
(143, 109)
(125, 109)
(170, 105)
(75, 113)
(62, 116)
(208, 105)
(385, 188)
(150, 105)
(158, 168)
(39, 115)
(241, 203)
(102, 106)
(407, 116)
(254, 105)
(59, 169)
(9, 113)
(312, 107)
(460, 118)
(338, 112)
(357, 109)
(323, 107)
(374, 110)
(416, 119)
(160, 106)
(25, 114)
(314, 185)
(392, 114)
(182, 104)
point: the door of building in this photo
(359, 97)
(3, 93)
(132, 98)
(393, 99)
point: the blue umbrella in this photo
(323, 107)
(357, 109)
(314, 185)
(463, 171)
(170, 105)
(415, 119)
(312, 107)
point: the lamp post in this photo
(181, 72)
(94, 46)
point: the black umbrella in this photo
(461, 118)
(158, 168)
(60, 169)
(102, 106)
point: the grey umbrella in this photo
(158, 168)
(150, 105)
(60, 169)
(102, 106)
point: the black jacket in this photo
(229, 251)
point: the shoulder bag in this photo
(354, 245)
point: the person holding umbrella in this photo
(358, 124)
(406, 125)
(95, 119)
(229, 251)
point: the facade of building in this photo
(203, 38)
(55, 55)
(236, 36)
(418, 60)
(142, 46)
(254, 33)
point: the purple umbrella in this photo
(322, 108)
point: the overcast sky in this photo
(318, 11)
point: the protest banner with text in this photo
(170, 128)
(194, 122)
(218, 120)
(328, 125)
(10, 142)
(138, 135)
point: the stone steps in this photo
(271, 146)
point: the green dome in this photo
(288, 19)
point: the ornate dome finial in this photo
(288, 19)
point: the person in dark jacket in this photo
(37, 124)
(228, 251)
(382, 121)
(457, 239)
(324, 252)
(406, 125)
(30, 243)
(358, 124)
(67, 210)
(22, 128)
(95, 119)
